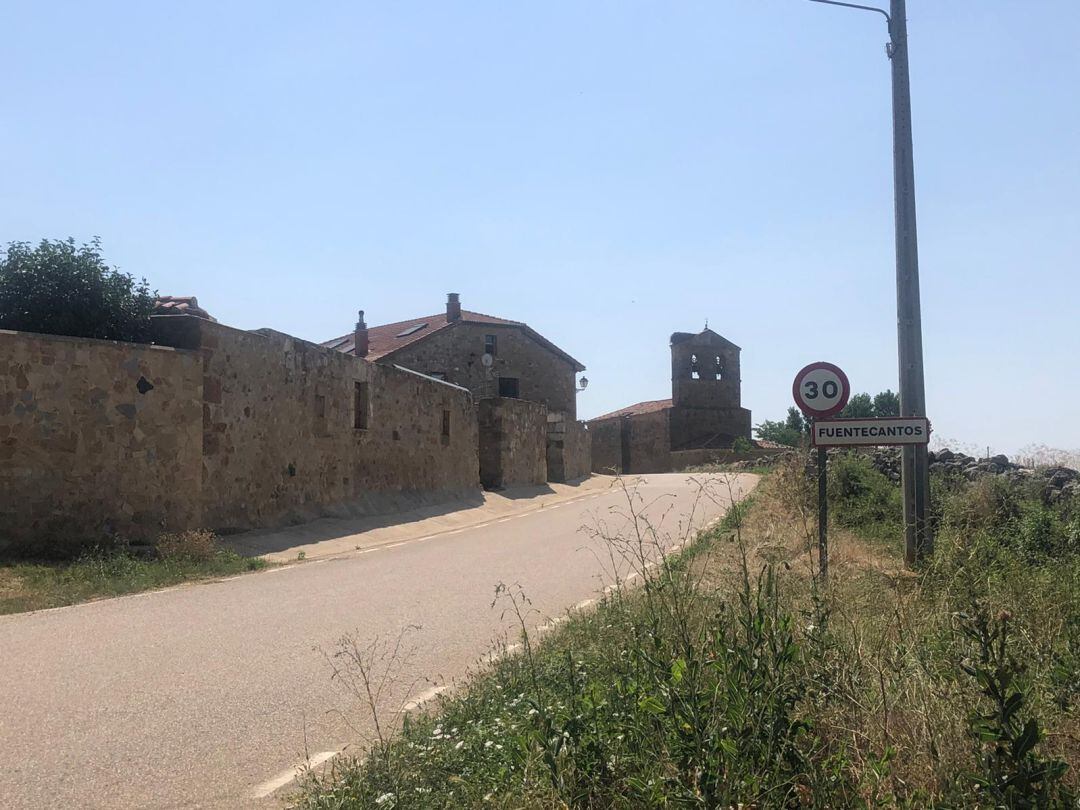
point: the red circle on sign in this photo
(807, 407)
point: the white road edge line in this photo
(424, 697)
(282, 779)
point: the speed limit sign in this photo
(821, 390)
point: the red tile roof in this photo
(649, 406)
(388, 338)
(180, 305)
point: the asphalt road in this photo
(209, 695)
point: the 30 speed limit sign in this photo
(821, 390)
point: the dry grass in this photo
(196, 544)
(717, 683)
(894, 646)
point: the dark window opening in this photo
(412, 330)
(509, 387)
(491, 345)
(446, 424)
(719, 368)
(694, 371)
(361, 403)
(320, 406)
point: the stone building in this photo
(495, 359)
(705, 410)
(455, 347)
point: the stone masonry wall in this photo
(513, 443)
(606, 444)
(632, 444)
(455, 351)
(650, 442)
(280, 434)
(96, 437)
(569, 449)
(708, 428)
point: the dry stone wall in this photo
(291, 430)
(513, 443)
(215, 427)
(96, 437)
(640, 443)
(569, 449)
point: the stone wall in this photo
(282, 440)
(569, 449)
(513, 443)
(455, 352)
(605, 438)
(96, 437)
(649, 436)
(640, 443)
(708, 428)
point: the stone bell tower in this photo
(706, 391)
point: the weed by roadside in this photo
(730, 677)
(116, 570)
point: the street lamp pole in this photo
(915, 468)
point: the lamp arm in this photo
(880, 11)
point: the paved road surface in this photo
(203, 695)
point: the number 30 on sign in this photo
(821, 390)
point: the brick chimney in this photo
(453, 307)
(360, 337)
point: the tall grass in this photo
(730, 678)
(115, 570)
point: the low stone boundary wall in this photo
(218, 428)
(513, 443)
(96, 437)
(569, 449)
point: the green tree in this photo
(859, 406)
(60, 288)
(779, 432)
(796, 422)
(887, 404)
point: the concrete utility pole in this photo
(915, 467)
(919, 541)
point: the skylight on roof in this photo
(412, 330)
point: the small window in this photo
(491, 345)
(412, 330)
(509, 387)
(361, 403)
(320, 406)
(718, 368)
(695, 373)
(446, 424)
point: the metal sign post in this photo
(821, 390)
(823, 513)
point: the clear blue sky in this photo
(610, 172)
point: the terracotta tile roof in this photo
(649, 406)
(180, 305)
(388, 338)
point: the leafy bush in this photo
(59, 288)
(742, 445)
(1010, 773)
(861, 497)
